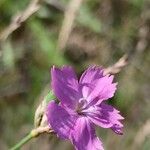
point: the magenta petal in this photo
(105, 116)
(92, 74)
(89, 79)
(65, 86)
(60, 120)
(83, 136)
(117, 128)
(103, 90)
(95, 85)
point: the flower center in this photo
(81, 105)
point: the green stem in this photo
(23, 141)
(34, 133)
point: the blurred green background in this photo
(103, 31)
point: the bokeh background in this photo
(101, 33)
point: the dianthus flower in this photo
(82, 106)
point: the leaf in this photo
(50, 96)
(87, 19)
(46, 43)
(8, 56)
(40, 111)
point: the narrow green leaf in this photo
(50, 96)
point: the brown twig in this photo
(70, 14)
(20, 18)
(117, 67)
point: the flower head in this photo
(82, 106)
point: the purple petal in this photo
(117, 128)
(95, 86)
(105, 116)
(60, 120)
(83, 136)
(65, 86)
(89, 79)
(103, 90)
(91, 75)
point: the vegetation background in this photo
(34, 35)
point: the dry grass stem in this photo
(20, 18)
(70, 14)
(40, 130)
(57, 4)
(141, 135)
(117, 67)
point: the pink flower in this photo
(82, 106)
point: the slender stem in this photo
(22, 142)
(34, 133)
